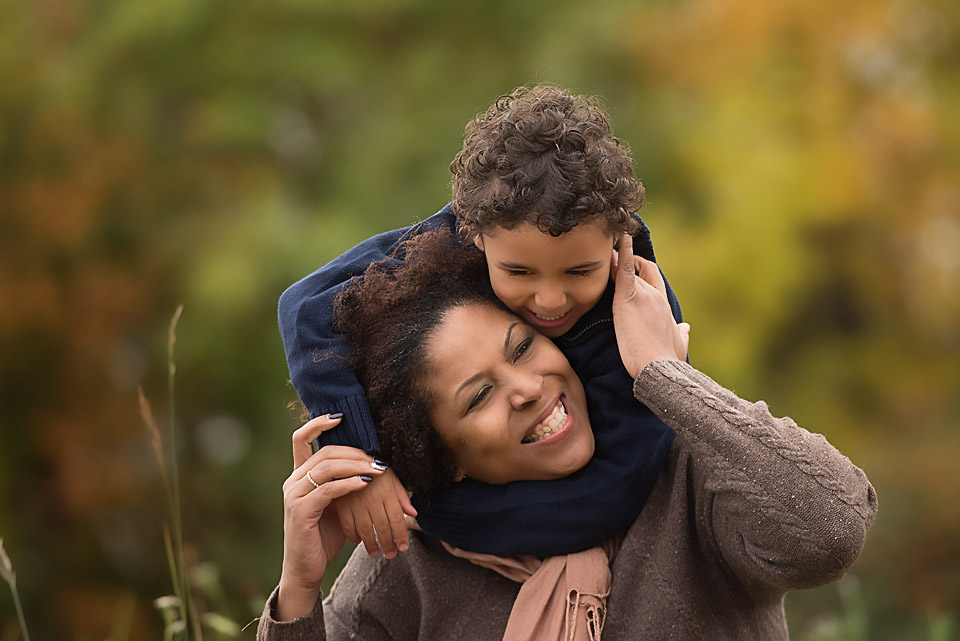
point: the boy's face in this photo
(549, 281)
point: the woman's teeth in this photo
(551, 425)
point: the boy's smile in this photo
(549, 281)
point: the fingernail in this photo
(365, 478)
(379, 465)
(335, 415)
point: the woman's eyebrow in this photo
(479, 375)
(467, 383)
(506, 341)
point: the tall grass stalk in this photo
(173, 531)
(6, 571)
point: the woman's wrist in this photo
(295, 601)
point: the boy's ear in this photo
(478, 241)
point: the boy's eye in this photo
(517, 272)
(482, 394)
(579, 272)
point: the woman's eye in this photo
(482, 394)
(522, 348)
(579, 272)
(517, 272)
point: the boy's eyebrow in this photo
(590, 265)
(511, 265)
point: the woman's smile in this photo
(553, 425)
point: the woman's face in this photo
(506, 401)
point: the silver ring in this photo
(312, 482)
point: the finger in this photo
(330, 470)
(344, 452)
(383, 526)
(307, 433)
(367, 534)
(399, 526)
(650, 273)
(318, 501)
(405, 504)
(625, 266)
(349, 525)
(684, 339)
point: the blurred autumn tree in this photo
(800, 162)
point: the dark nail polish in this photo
(335, 415)
(379, 465)
(365, 478)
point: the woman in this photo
(746, 507)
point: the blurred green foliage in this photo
(800, 160)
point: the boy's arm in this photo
(316, 356)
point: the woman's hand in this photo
(311, 530)
(645, 327)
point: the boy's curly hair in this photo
(388, 316)
(544, 156)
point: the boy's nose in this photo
(550, 298)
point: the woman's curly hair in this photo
(388, 316)
(547, 157)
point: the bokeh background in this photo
(800, 159)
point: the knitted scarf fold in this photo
(563, 598)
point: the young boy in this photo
(543, 188)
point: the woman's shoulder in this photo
(417, 588)
(426, 565)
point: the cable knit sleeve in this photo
(779, 506)
(308, 628)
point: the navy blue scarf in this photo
(584, 509)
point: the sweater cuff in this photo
(356, 429)
(305, 628)
(656, 385)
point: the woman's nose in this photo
(527, 388)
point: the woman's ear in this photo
(459, 476)
(478, 241)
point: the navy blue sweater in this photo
(543, 518)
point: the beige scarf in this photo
(563, 598)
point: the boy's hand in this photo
(375, 515)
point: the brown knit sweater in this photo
(747, 507)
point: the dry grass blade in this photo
(146, 414)
(172, 339)
(6, 567)
(6, 571)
